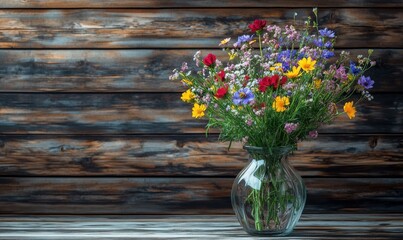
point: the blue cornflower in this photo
(354, 69)
(328, 44)
(366, 82)
(284, 57)
(327, 54)
(243, 96)
(318, 42)
(243, 39)
(326, 33)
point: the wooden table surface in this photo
(311, 226)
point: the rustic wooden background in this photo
(90, 124)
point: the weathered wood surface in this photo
(123, 195)
(136, 70)
(153, 113)
(193, 4)
(311, 226)
(190, 28)
(191, 155)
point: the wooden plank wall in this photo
(90, 124)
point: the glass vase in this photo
(268, 196)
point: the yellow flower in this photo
(317, 83)
(307, 64)
(280, 103)
(198, 110)
(277, 67)
(349, 109)
(350, 77)
(224, 41)
(187, 96)
(231, 55)
(294, 72)
(187, 82)
(234, 107)
(252, 42)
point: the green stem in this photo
(269, 202)
(260, 46)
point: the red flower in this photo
(264, 83)
(273, 81)
(276, 81)
(259, 106)
(283, 80)
(220, 76)
(221, 92)
(246, 81)
(257, 25)
(209, 60)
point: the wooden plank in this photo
(124, 195)
(310, 226)
(191, 155)
(153, 113)
(189, 28)
(191, 4)
(136, 70)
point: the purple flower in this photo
(285, 57)
(326, 33)
(353, 68)
(313, 134)
(243, 96)
(291, 33)
(327, 54)
(243, 39)
(184, 67)
(366, 82)
(341, 74)
(290, 127)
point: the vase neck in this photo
(273, 152)
(270, 156)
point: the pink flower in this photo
(341, 74)
(313, 134)
(290, 127)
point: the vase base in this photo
(268, 233)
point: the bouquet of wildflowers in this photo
(277, 86)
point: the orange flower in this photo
(280, 103)
(349, 109)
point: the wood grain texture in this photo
(153, 114)
(189, 28)
(191, 155)
(90, 124)
(86, 195)
(193, 4)
(311, 226)
(136, 70)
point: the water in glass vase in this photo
(268, 196)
